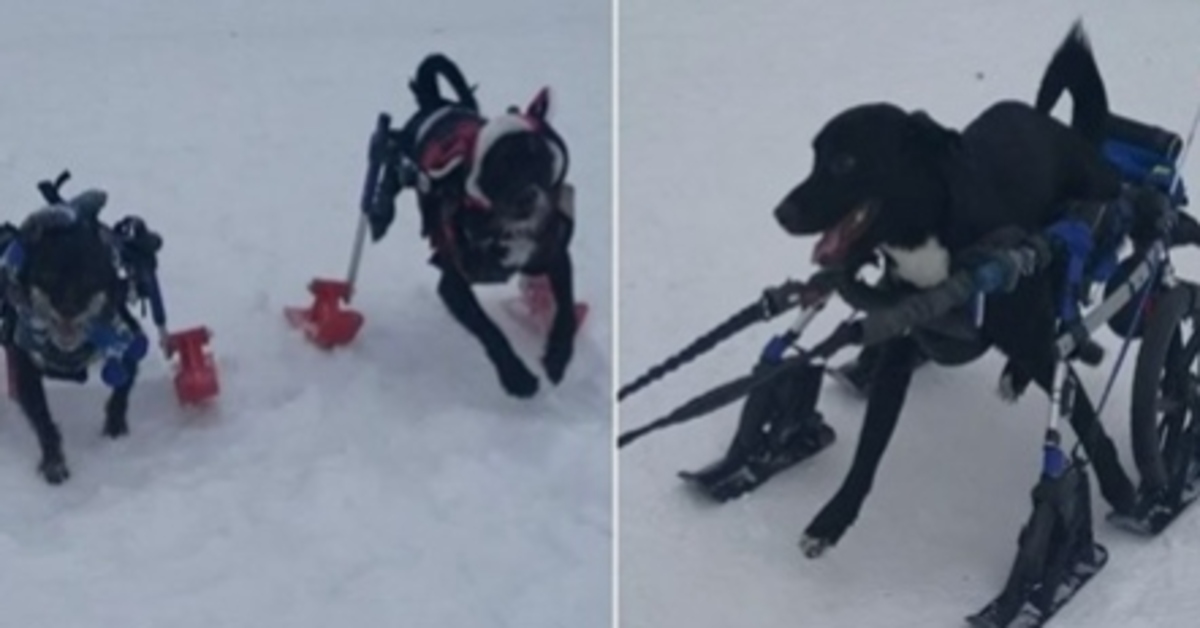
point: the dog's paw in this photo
(827, 528)
(518, 381)
(116, 427)
(54, 470)
(814, 547)
(1007, 389)
(1013, 383)
(556, 360)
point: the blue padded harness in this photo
(1092, 255)
(109, 337)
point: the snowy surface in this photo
(719, 102)
(390, 484)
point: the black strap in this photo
(50, 189)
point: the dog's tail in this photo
(1073, 69)
(425, 86)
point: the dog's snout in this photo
(786, 214)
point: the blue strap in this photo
(1105, 266)
(773, 352)
(990, 277)
(122, 347)
(14, 256)
(1077, 237)
(1054, 461)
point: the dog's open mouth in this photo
(836, 242)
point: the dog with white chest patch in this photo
(888, 182)
(494, 203)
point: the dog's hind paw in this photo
(814, 547)
(828, 526)
(54, 470)
(1006, 390)
(1013, 382)
(116, 428)
(519, 382)
(556, 362)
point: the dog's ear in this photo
(539, 107)
(926, 132)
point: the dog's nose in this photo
(785, 214)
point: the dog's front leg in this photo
(116, 410)
(31, 396)
(456, 293)
(889, 388)
(560, 344)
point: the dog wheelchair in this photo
(1142, 300)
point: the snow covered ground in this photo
(719, 102)
(390, 484)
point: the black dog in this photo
(494, 202)
(65, 309)
(888, 181)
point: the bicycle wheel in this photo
(1165, 382)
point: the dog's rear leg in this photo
(1186, 231)
(1013, 381)
(456, 293)
(888, 391)
(1115, 485)
(31, 396)
(116, 409)
(560, 343)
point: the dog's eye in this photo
(842, 164)
(528, 197)
(40, 301)
(94, 306)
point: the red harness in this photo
(449, 146)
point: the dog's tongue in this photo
(830, 248)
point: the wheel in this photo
(1164, 406)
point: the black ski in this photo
(1030, 613)
(1154, 515)
(1057, 553)
(779, 427)
(735, 475)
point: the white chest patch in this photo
(924, 266)
(518, 251)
